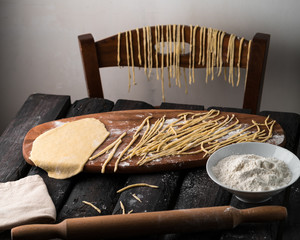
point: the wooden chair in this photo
(103, 53)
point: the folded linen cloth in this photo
(25, 201)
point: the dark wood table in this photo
(177, 189)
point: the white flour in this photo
(251, 172)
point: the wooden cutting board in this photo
(119, 122)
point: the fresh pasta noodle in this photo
(132, 57)
(145, 50)
(110, 146)
(128, 62)
(203, 46)
(136, 197)
(200, 45)
(156, 52)
(167, 56)
(239, 61)
(178, 51)
(110, 156)
(92, 205)
(190, 55)
(209, 54)
(170, 47)
(139, 46)
(248, 57)
(162, 65)
(221, 53)
(206, 131)
(136, 185)
(174, 51)
(149, 51)
(183, 50)
(122, 207)
(193, 58)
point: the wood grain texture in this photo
(37, 109)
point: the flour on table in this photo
(249, 172)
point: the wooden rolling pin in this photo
(137, 224)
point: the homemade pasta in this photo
(92, 205)
(192, 133)
(207, 50)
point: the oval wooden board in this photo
(127, 121)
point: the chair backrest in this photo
(214, 48)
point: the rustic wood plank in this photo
(124, 104)
(230, 109)
(94, 188)
(37, 109)
(59, 190)
(256, 230)
(290, 122)
(153, 199)
(198, 190)
(167, 105)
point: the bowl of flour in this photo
(253, 172)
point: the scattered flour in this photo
(251, 172)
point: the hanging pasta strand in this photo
(156, 52)
(239, 61)
(178, 50)
(190, 54)
(221, 53)
(210, 42)
(217, 50)
(228, 54)
(248, 57)
(214, 51)
(162, 63)
(139, 46)
(132, 58)
(174, 52)
(203, 46)
(159, 40)
(208, 54)
(230, 49)
(128, 61)
(193, 60)
(170, 46)
(200, 45)
(149, 38)
(145, 50)
(167, 56)
(183, 50)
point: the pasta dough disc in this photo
(63, 151)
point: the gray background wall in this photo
(40, 53)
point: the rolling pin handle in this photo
(263, 214)
(39, 231)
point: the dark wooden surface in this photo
(177, 189)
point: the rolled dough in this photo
(63, 151)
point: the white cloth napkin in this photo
(25, 201)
